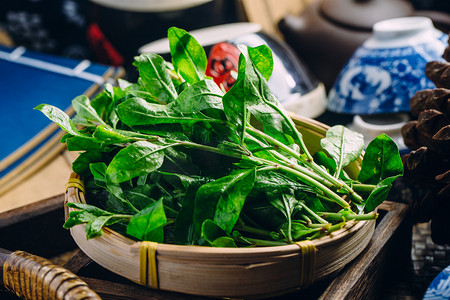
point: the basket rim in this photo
(75, 194)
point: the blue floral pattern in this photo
(439, 288)
(382, 80)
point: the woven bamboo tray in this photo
(229, 272)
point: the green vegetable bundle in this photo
(174, 159)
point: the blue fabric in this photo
(23, 87)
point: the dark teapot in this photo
(328, 32)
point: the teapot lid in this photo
(362, 14)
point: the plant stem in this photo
(314, 225)
(329, 230)
(289, 219)
(310, 163)
(293, 128)
(363, 188)
(311, 181)
(357, 217)
(312, 213)
(122, 216)
(337, 183)
(207, 148)
(309, 178)
(253, 230)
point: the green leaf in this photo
(94, 218)
(315, 204)
(98, 171)
(154, 77)
(116, 93)
(137, 159)
(182, 181)
(263, 59)
(136, 111)
(379, 194)
(271, 181)
(285, 203)
(103, 103)
(94, 227)
(147, 225)
(343, 145)
(230, 205)
(222, 200)
(188, 56)
(94, 210)
(223, 241)
(321, 158)
(184, 226)
(381, 165)
(83, 108)
(59, 117)
(107, 135)
(78, 217)
(216, 236)
(381, 160)
(139, 196)
(251, 94)
(82, 162)
(301, 232)
(201, 95)
(83, 143)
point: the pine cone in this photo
(438, 99)
(446, 54)
(439, 73)
(428, 164)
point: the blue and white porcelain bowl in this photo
(439, 288)
(389, 68)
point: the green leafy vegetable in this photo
(171, 158)
(148, 223)
(343, 145)
(199, 96)
(381, 165)
(223, 199)
(215, 236)
(137, 159)
(59, 117)
(94, 218)
(84, 110)
(154, 77)
(188, 56)
(381, 161)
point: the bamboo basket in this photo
(228, 272)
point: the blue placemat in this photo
(28, 79)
